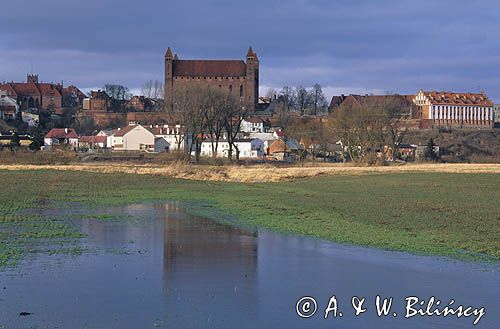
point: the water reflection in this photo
(162, 267)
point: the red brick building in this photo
(45, 96)
(237, 77)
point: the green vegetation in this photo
(454, 215)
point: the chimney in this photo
(65, 130)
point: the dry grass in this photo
(255, 173)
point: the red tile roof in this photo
(209, 68)
(26, 89)
(254, 119)
(93, 139)
(48, 89)
(457, 99)
(62, 133)
(8, 88)
(125, 130)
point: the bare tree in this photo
(187, 113)
(234, 113)
(288, 98)
(119, 95)
(152, 89)
(318, 98)
(214, 111)
(303, 99)
(285, 120)
(367, 127)
(271, 93)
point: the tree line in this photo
(300, 99)
(362, 130)
(207, 113)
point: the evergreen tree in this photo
(37, 139)
(429, 153)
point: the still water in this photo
(168, 269)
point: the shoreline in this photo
(361, 210)
(257, 173)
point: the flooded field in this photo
(160, 267)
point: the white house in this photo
(248, 148)
(133, 138)
(8, 106)
(32, 119)
(253, 124)
(175, 136)
(109, 136)
(61, 137)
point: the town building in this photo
(448, 109)
(134, 138)
(496, 114)
(108, 134)
(8, 106)
(162, 145)
(99, 101)
(248, 148)
(176, 136)
(44, 96)
(30, 117)
(63, 137)
(254, 124)
(93, 142)
(141, 104)
(235, 77)
(406, 101)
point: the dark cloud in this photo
(358, 46)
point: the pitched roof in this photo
(254, 119)
(250, 52)
(26, 89)
(360, 99)
(62, 133)
(124, 131)
(8, 88)
(93, 139)
(48, 89)
(169, 53)
(451, 98)
(73, 90)
(209, 68)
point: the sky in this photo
(361, 47)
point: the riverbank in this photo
(257, 173)
(436, 213)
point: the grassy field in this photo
(455, 215)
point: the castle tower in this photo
(252, 80)
(169, 81)
(32, 78)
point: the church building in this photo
(237, 77)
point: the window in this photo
(241, 91)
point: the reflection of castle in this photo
(201, 241)
(209, 266)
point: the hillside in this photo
(461, 145)
(4, 126)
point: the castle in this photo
(233, 76)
